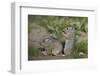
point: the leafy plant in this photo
(33, 52)
(80, 50)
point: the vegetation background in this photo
(55, 25)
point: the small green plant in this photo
(80, 50)
(33, 52)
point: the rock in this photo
(39, 37)
(37, 34)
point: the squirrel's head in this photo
(69, 32)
